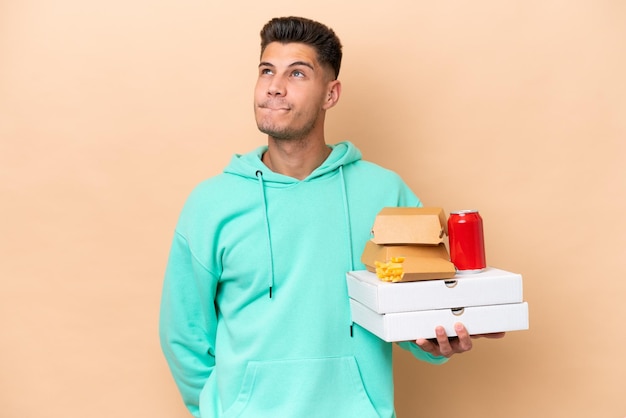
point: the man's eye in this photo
(297, 73)
(266, 71)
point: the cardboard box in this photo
(423, 262)
(489, 287)
(410, 226)
(409, 326)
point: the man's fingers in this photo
(442, 345)
(465, 341)
(427, 346)
(445, 348)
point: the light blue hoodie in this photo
(255, 320)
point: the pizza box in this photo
(410, 326)
(492, 286)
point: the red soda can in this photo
(467, 242)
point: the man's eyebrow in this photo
(293, 64)
(298, 63)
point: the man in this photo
(255, 319)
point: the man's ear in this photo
(333, 94)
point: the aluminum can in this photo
(467, 242)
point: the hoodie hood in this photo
(248, 165)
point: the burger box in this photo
(422, 262)
(489, 287)
(409, 326)
(409, 225)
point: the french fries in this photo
(390, 271)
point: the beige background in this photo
(110, 112)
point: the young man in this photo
(255, 320)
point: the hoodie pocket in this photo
(311, 388)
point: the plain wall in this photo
(111, 112)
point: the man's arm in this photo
(188, 321)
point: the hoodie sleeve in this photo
(420, 354)
(187, 325)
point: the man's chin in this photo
(275, 132)
(284, 133)
(279, 136)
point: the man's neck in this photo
(295, 158)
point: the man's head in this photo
(301, 30)
(297, 81)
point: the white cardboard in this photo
(490, 287)
(409, 326)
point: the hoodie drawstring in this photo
(346, 211)
(259, 175)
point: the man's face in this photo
(291, 92)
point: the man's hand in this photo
(447, 347)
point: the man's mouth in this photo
(275, 107)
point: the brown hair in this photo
(301, 30)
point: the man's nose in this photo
(276, 87)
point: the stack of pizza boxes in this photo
(410, 286)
